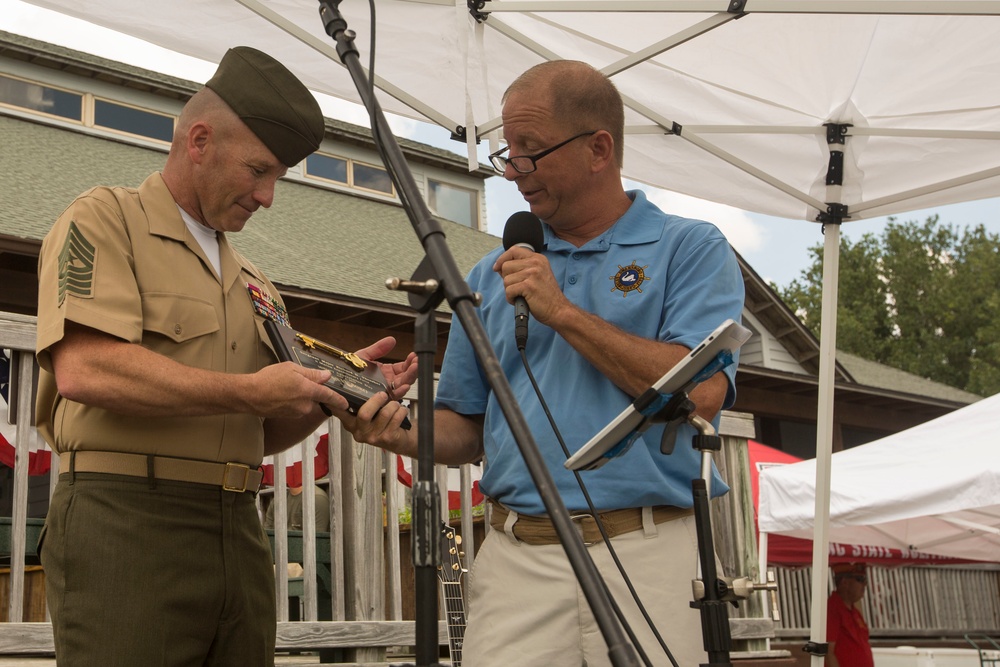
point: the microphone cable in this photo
(607, 540)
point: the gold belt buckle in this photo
(225, 477)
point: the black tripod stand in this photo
(712, 592)
(439, 266)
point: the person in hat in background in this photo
(846, 630)
(293, 509)
(161, 395)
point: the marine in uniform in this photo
(153, 549)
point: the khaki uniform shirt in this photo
(122, 261)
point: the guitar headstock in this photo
(450, 573)
(451, 557)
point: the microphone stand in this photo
(462, 301)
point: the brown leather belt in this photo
(235, 477)
(537, 530)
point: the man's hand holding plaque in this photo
(353, 376)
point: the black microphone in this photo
(523, 229)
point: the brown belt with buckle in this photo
(235, 477)
(537, 530)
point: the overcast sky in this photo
(776, 248)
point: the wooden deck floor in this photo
(279, 661)
(282, 660)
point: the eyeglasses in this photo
(525, 164)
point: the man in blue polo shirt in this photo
(620, 294)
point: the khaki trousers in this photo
(527, 609)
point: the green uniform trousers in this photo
(153, 573)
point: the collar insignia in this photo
(629, 278)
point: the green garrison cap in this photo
(272, 102)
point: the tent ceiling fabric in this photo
(751, 93)
(933, 488)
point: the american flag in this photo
(317, 442)
(39, 455)
(404, 473)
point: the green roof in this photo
(880, 376)
(342, 245)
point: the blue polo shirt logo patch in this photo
(629, 278)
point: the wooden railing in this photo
(905, 601)
(17, 334)
(362, 547)
(364, 559)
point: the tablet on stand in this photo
(709, 357)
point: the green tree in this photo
(924, 298)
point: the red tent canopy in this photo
(783, 550)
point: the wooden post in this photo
(733, 526)
(17, 333)
(364, 564)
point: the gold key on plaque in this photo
(349, 357)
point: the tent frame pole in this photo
(824, 442)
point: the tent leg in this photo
(824, 442)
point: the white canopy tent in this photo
(820, 110)
(933, 488)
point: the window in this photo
(91, 112)
(453, 203)
(123, 118)
(328, 167)
(70, 106)
(348, 172)
(372, 178)
(44, 99)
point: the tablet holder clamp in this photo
(710, 600)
